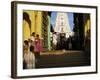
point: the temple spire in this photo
(62, 24)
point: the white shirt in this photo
(32, 38)
(54, 39)
(30, 60)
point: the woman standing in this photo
(37, 47)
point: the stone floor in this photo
(63, 58)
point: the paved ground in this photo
(62, 58)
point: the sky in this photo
(70, 18)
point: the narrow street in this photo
(61, 58)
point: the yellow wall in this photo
(87, 26)
(39, 23)
(36, 23)
(32, 18)
(26, 30)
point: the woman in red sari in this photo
(37, 46)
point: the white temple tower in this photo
(62, 24)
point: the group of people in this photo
(31, 51)
(60, 41)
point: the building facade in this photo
(82, 25)
(62, 24)
(45, 30)
(38, 22)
